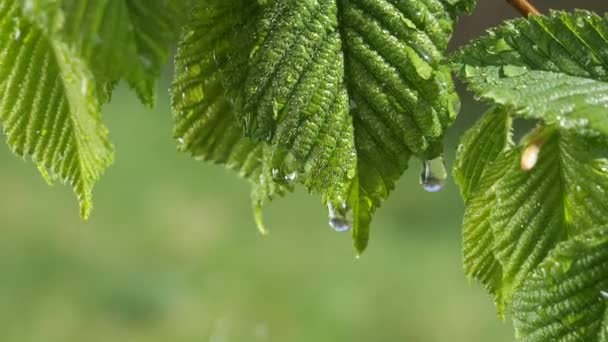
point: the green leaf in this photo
(516, 217)
(482, 157)
(565, 298)
(120, 39)
(479, 259)
(346, 89)
(553, 68)
(48, 105)
(205, 124)
(480, 146)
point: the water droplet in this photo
(290, 177)
(433, 174)
(340, 224)
(275, 173)
(604, 295)
(339, 218)
(180, 140)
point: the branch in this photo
(524, 7)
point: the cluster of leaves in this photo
(536, 212)
(334, 95)
(337, 96)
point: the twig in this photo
(524, 7)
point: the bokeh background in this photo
(171, 252)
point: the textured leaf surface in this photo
(515, 219)
(481, 161)
(205, 123)
(565, 298)
(120, 39)
(346, 90)
(48, 105)
(480, 146)
(552, 68)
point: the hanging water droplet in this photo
(433, 174)
(340, 224)
(339, 218)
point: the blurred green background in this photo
(171, 252)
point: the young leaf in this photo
(565, 298)
(49, 106)
(480, 146)
(482, 158)
(347, 88)
(528, 213)
(479, 259)
(120, 39)
(552, 68)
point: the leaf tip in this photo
(86, 207)
(259, 218)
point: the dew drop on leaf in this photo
(275, 173)
(290, 177)
(433, 174)
(604, 295)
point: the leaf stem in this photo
(524, 7)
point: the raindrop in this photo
(604, 294)
(338, 218)
(433, 174)
(340, 224)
